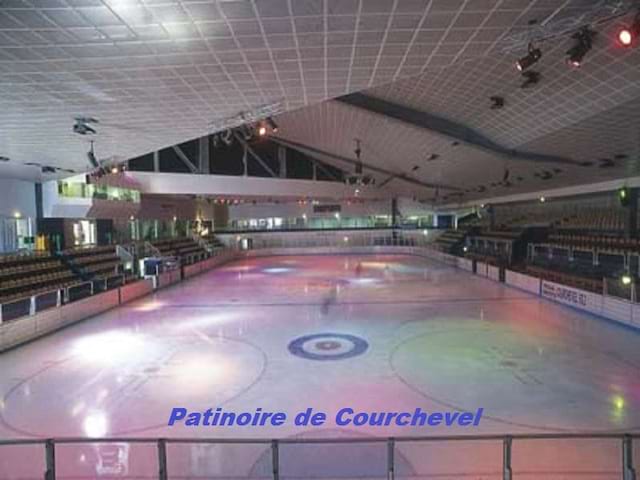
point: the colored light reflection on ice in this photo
(196, 373)
(364, 281)
(109, 347)
(205, 320)
(277, 270)
(95, 425)
(379, 265)
(618, 412)
(150, 306)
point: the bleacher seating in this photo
(566, 276)
(184, 248)
(25, 275)
(213, 240)
(95, 262)
(604, 219)
(602, 242)
(450, 240)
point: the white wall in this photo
(229, 185)
(17, 196)
(295, 209)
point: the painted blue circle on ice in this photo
(328, 346)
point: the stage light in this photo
(623, 196)
(628, 35)
(272, 125)
(91, 156)
(579, 50)
(625, 37)
(529, 59)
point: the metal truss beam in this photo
(182, 156)
(254, 154)
(312, 151)
(449, 128)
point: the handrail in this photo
(22, 299)
(148, 246)
(507, 440)
(323, 440)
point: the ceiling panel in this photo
(158, 73)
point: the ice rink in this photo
(374, 333)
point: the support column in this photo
(156, 161)
(492, 217)
(282, 159)
(204, 165)
(244, 161)
(394, 212)
(631, 221)
(39, 202)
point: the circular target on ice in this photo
(328, 346)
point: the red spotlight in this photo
(625, 37)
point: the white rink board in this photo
(574, 297)
(493, 273)
(481, 269)
(618, 310)
(465, 264)
(522, 281)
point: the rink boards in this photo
(25, 329)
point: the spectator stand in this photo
(100, 268)
(32, 282)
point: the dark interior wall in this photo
(220, 216)
(53, 230)
(104, 231)
(228, 160)
(170, 162)
(445, 221)
(298, 165)
(142, 164)
(268, 153)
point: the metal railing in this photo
(348, 238)
(504, 442)
(31, 305)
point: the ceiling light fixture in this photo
(628, 35)
(531, 78)
(533, 55)
(272, 124)
(92, 158)
(576, 54)
(497, 102)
